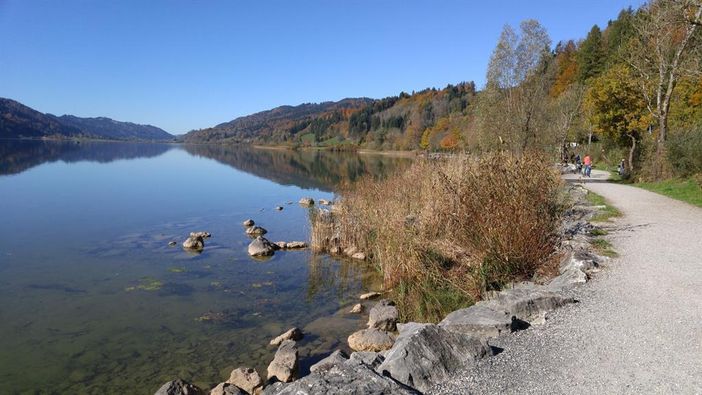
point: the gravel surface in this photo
(638, 326)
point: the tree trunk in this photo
(631, 153)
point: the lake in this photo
(94, 300)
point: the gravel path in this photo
(638, 326)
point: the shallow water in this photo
(92, 298)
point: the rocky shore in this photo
(409, 358)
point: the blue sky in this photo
(183, 65)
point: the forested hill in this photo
(430, 119)
(20, 121)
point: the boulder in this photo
(369, 295)
(284, 365)
(349, 251)
(383, 316)
(346, 378)
(568, 279)
(427, 354)
(371, 339)
(528, 301)
(227, 389)
(245, 378)
(372, 359)
(249, 222)
(580, 260)
(260, 246)
(307, 201)
(179, 387)
(359, 255)
(480, 320)
(291, 334)
(280, 244)
(194, 243)
(336, 358)
(279, 208)
(356, 309)
(256, 231)
(204, 235)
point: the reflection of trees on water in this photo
(328, 275)
(17, 156)
(305, 168)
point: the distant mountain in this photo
(429, 119)
(20, 121)
(278, 124)
(111, 129)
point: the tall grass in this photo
(446, 231)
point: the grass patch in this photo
(688, 190)
(605, 212)
(598, 232)
(445, 232)
(146, 284)
(604, 247)
(176, 269)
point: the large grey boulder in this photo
(179, 387)
(371, 339)
(383, 316)
(580, 260)
(480, 320)
(427, 354)
(260, 246)
(284, 365)
(372, 359)
(345, 378)
(245, 378)
(336, 358)
(227, 389)
(529, 302)
(291, 334)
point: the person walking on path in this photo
(587, 162)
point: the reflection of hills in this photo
(17, 156)
(307, 169)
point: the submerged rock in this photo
(279, 208)
(260, 246)
(383, 316)
(284, 365)
(256, 231)
(179, 387)
(172, 243)
(426, 354)
(291, 334)
(371, 339)
(245, 378)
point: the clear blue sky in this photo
(183, 65)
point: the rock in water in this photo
(349, 377)
(383, 316)
(369, 295)
(291, 334)
(336, 358)
(479, 320)
(370, 339)
(179, 387)
(284, 364)
(279, 208)
(172, 243)
(245, 378)
(256, 231)
(194, 243)
(307, 201)
(426, 354)
(260, 246)
(324, 202)
(294, 245)
(359, 255)
(249, 222)
(281, 244)
(227, 389)
(356, 309)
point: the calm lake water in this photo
(92, 298)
